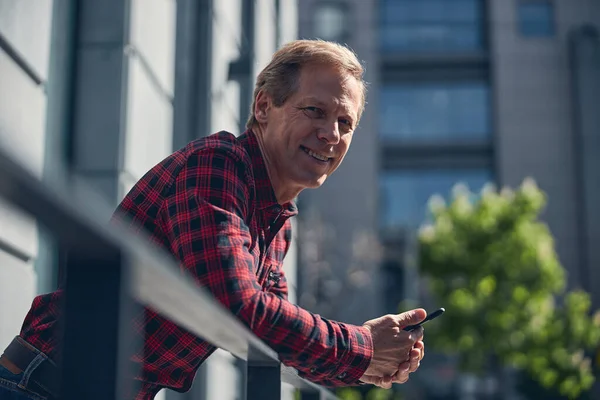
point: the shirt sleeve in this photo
(205, 224)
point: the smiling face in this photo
(306, 139)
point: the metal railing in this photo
(109, 275)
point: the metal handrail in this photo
(106, 271)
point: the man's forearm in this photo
(321, 349)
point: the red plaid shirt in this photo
(212, 205)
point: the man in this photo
(222, 207)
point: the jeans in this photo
(12, 386)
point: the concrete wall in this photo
(25, 28)
(533, 105)
(347, 202)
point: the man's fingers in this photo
(421, 347)
(417, 334)
(404, 338)
(415, 360)
(411, 317)
(402, 374)
(383, 382)
(372, 380)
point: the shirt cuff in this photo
(356, 359)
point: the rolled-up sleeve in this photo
(206, 224)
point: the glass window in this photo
(404, 194)
(331, 21)
(417, 26)
(536, 18)
(434, 111)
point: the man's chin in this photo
(316, 183)
(311, 181)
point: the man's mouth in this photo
(315, 155)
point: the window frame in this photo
(440, 171)
(520, 24)
(449, 141)
(480, 25)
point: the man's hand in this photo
(396, 353)
(406, 368)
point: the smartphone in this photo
(431, 316)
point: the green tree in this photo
(492, 264)
(371, 393)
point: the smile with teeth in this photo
(315, 155)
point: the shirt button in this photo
(342, 375)
(313, 370)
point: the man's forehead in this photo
(327, 85)
(327, 77)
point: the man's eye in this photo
(315, 112)
(345, 122)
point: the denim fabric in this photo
(10, 389)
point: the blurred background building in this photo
(468, 91)
(109, 88)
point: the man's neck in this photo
(283, 192)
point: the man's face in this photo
(308, 136)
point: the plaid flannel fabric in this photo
(212, 205)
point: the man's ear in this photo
(262, 106)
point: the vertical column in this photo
(264, 381)
(99, 104)
(192, 107)
(97, 344)
(123, 101)
(585, 64)
(123, 84)
(24, 52)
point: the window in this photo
(417, 26)
(331, 21)
(536, 18)
(435, 111)
(404, 194)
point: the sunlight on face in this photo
(309, 135)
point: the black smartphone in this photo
(431, 316)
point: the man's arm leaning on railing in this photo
(99, 304)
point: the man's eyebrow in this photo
(344, 108)
(313, 99)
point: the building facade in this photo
(109, 89)
(470, 91)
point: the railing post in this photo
(264, 381)
(305, 395)
(98, 339)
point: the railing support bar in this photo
(99, 339)
(264, 382)
(305, 395)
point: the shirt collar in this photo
(265, 194)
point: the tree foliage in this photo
(492, 264)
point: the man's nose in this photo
(330, 133)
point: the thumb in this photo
(411, 317)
